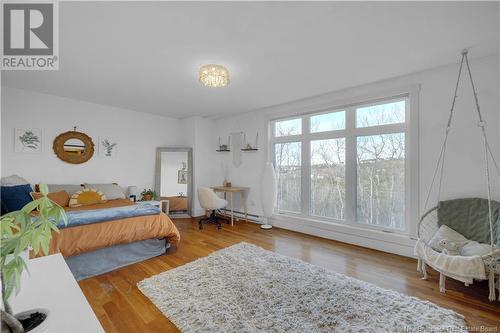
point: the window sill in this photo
(376, 239)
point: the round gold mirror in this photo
(73, 147)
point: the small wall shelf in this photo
(250, 147)
(224, 148)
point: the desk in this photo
(230, 190)
(51, 285)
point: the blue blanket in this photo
(82, 217)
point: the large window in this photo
(328, 178)
(288, 159)
(345, 165)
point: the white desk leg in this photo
(232, 208)
(243, 197)
(225, 198)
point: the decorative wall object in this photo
(182, 174)
(73, 147)
(250, 146)
(224, 147)
(27, 140)
(237, 139)
(107, 147)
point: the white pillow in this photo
(474, 248)
(69, 188)
(445, 232)
(111, 191)
(13, 180)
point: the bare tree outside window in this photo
(328, 122)
(288, 163)
(381, 180)
(328, 178)
(288, 127)
(383, 114)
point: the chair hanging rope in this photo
(440, 165)
(463, 267)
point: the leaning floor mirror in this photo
(174, 179)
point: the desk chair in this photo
(210, 201)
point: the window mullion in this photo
(306, 167)
(350, 160)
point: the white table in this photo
(233, 189)
(51, 285)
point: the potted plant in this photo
(22, 231)
(147, 194)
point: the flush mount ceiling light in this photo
(214, 76)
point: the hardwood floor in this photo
(121, 307)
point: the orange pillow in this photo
(87, 196)
(61, 197)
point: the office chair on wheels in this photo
(210, 201)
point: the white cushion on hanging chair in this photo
(465, 269)
(473, 248)
(445, 232)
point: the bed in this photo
(105, 236)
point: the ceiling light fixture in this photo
(214, 76)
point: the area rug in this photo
(244, 288)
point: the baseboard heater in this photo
(241, 215)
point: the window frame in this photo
(284, 211)
(350, 133)
(273, 128)
(336, 110)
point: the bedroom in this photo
(176, 131)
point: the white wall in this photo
(465, 159)
(199, 135)
(250, 171)
(171, 163)
(137, 134)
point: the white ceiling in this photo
(145, 56)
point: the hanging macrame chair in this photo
(470, 215)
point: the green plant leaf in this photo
(64, 217)
(31, 206)
(7, 226)
(45, 246)
(54, 227)
(35, 240)
(25, 241)
(44, 189)
(21, 230)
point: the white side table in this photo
(51, 285)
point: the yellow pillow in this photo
(87, 196)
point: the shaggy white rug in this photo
(244, 288)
